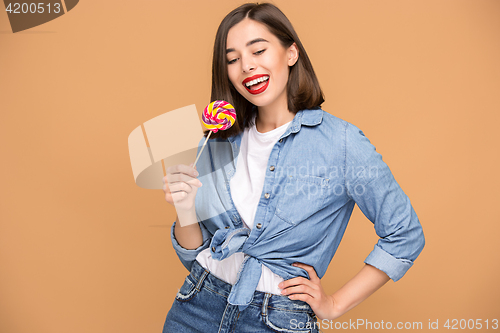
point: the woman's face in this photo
(258, 65)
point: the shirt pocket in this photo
(300, 197)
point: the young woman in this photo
(278, 190)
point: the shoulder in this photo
(318, 116)
(351, 131)
(333, 124)
(339, 134)
(333, 121)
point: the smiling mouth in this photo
(258, 85)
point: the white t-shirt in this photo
(246, 189)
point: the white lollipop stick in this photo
(197, 157)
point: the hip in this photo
(201, 306)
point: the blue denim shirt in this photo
(317, 171)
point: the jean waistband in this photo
(203, 278)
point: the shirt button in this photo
(227, 227)
(267, 195)
(213, 248)
(281, 140)
(259, 225)
(271, 168)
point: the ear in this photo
(293, 54)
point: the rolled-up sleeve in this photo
(372, 186)
(186, 256)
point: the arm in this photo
(366, 282)
(189, 236)
(374, 189)
(370, 183)
(189, 240)
(384, 203)
(193, 237)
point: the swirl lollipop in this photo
(217, 116)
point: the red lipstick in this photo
(261, 89)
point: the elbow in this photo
(417, 235)
(415, 242)
(419, 242)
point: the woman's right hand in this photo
(180, 186)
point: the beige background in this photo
(83, 249)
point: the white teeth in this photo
(260, 79)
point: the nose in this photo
(247, 64)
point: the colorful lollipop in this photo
(217, 116)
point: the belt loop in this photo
(264, 304)
(200, 281)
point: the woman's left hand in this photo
(310, 291)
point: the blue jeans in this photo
(201, 306)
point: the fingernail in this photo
(294, 264)
(195, 173)
(280, 285)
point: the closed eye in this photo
(256, 53)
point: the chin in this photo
(259, 101)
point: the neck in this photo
(272, 116)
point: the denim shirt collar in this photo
(308, 117)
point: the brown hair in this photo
(303, 90)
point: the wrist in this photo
(187, 217)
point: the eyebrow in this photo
(253, 41)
